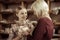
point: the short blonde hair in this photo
(41, 9)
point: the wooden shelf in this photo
(57, 23)
(56, 35)
(10, 2)
(6, 11)
(3, 32)
(6, 22)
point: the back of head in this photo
(39, 0)
(40, 9)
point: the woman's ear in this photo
(17, 11)
(17, 14)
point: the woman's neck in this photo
(21, 22)
(47, 16)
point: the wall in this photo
(55, 4)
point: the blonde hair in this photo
(41, 9)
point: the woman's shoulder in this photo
(44, 19)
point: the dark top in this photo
(43, 30)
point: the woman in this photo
(23, 26)
(44, 28)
